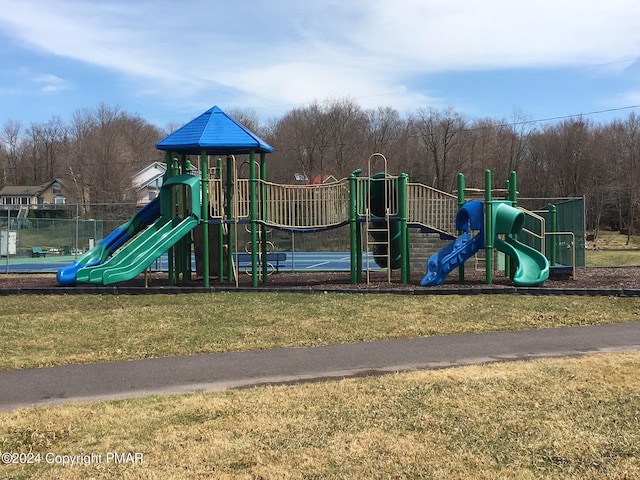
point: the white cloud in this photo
(482, 34)
(50, 83)
(291, 52)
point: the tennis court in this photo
(294, 262)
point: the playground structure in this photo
(203, 211)
(497, 224)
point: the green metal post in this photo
(359, 243)
(204, 173)
(229, 215)
(220, 230)
(353, 225)
(184, 245)
(175, 203)
(512, 188)
(553, 210)
(402, 213)
(488, 227)
(253, 216)
(461, 187)
(173, 251)
(263, 227)
(358, 207)
(188, 240)
(169, 172)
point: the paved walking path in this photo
(211, 372)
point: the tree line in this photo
(98, 150)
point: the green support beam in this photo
(488, 227)
(253, 217)
(403, 179)
(461, 188)
(204, 218)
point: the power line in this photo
(565, 117)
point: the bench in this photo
(37, 252)
(274, 258)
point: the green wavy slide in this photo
(140, 252)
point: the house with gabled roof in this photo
(147, 182)
(50, 196)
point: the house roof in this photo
(216, 133)
(160, 170)
(26, 190)
(152, 165)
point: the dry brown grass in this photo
(559, 418)
(57, 330)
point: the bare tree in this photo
(537, 174)
(247, 118)
(10, 137)
(628, 160)
(519, 138)
(604, 186)
(387, 133)
(573, 155)
(106, 148)
(320, 139)
(46, 141)
(346, 126)
(439, 134)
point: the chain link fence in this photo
(72, 231)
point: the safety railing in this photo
(431, 208)
(536, 235)
(363, 200)
(241, 199)
(305, 206)
(571, 245)
(216, 198)
(327, 205)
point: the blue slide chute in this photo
(121, 235)
(440, 264)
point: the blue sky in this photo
(169, 61)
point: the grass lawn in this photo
(553, 418)
(561, 419)
(613, 251)
(57, 330)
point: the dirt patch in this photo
(586, 278)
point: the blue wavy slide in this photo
(105, 248)
(440, 264)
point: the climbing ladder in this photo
(378, 227)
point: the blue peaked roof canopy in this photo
(216, 133)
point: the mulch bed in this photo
(586, 278)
